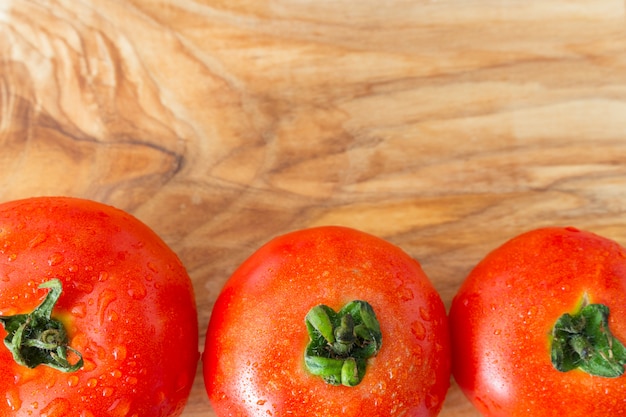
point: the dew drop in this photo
(136, 290)
(88, 365)
(152, 267)
(79, 310)
(72, 381)
(497, 332)
(103, 276)
(105, 299)
(12, 257)
(404, 293)
(132, 380)
(55, 259)
(418, 330)
(107, 391)
(86, 287)
(119, 353)
(8, 311)
(116, 374)
(37, 240)
(160, 397)
(120, 407)
(13, 399)
(59, 407)
(425, 314)
(92, 383)
(113, 316)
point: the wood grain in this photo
(446, 127)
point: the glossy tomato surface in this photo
(254, 356)
(503, 316)
(127, 305)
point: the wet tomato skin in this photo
(253, 359)
(502, 318)
(127, 305)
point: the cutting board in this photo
(446, 127)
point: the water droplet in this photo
(116, 373)
(12, 257)
(103, 276)
(261, 402)
(55, 259)
(160, 397)
(92, 383)
(432, 401)
(113, 316)
(73, 268)
(79, 310)
(119, 353)
(107, 391)
(59, 407)
(497, 332)
(425, 314)
(88, 365)
(13, 399)
(131, 380)
(105, 299)
(72, 381)
(37, 240)
(120, 407)
(9, 311)
(418, 330)
(86, 287)
(86, 413)
(136, 290)
(404, 293)
(152, 267)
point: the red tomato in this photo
(126, 308)
(389, 358)
(538, 327)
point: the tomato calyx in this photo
(341, 342)
(583, 341)
(38, 339)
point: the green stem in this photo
(340, 343)
(38, 339)
(583, 341)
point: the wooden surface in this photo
(446, 127)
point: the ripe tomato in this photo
(538, 327)
(326, 322)
(114, 291)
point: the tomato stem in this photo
(583, 341)
(341, 342)
(38, 339)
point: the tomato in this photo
(327, 322)
(104, 308)
(538, 327)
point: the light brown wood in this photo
(446, 127)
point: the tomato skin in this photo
(253, 359)
(127, 305)
(502, 317)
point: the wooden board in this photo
(446, 127)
